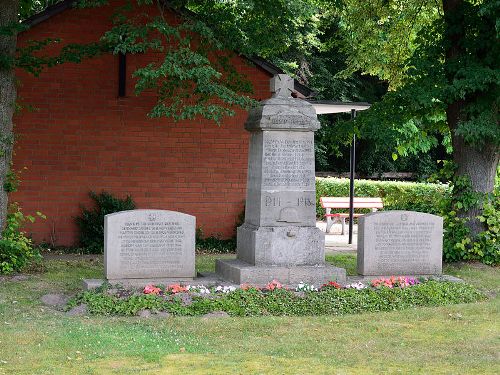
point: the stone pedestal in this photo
(279, 239)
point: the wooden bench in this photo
(343, 202)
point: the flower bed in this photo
(395, 293)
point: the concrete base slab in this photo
(241, 272)
(89, 284)
(207, 279)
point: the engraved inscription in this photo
(288, 162)
(150, 246)
(277, 207)
(274, 201)
(305, 201)
(403, 245)
(292, 120)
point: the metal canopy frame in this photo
(327, 107)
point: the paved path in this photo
(335, 242)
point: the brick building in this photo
(83, 136)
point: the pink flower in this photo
(151, 289)
(275, 284)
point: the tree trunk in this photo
(481, 167)
(8, 18)
(479, 164)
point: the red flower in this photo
(176, 288)
(331, 284)
(245, 286)
(151, 289)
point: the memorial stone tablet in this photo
(148, 244)
(400, 243)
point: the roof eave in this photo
(49, 12)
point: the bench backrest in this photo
(343, 202)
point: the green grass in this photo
(343, 260)
(457, 339)
(206, 263)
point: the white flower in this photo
(225, 289)
(202, 289)
(358, 285)
(303, 287)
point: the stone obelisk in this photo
(279, 239)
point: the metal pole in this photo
(351, 178)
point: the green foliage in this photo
(459, 244)
(379, 37)
(16, 250)
(11, 182)
(411, 196)
(260, 27)
(281, 302)
(487, 244)
(193, 79)
(31, 58)
(6, 142)
(373, 155)
(413, 117)
(214, 244)
(91, 221)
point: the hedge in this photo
(396, 195)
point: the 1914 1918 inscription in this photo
(400, 243)
(149, 244)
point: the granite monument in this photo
(279, 239)
(400, 243)
(149, 245)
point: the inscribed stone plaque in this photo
(281, 187)
(400, 243)
(149, 244)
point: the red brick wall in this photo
(82, 137)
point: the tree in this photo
(194, 78)
(442, 64)
(439, 61)
(8, 32)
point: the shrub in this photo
(91, 222)
(460, 245)
(214, 245)
(411, 196)
(16, 250)
(279, 302)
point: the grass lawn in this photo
(458, 339)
